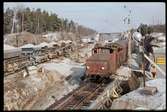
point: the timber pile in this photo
(24, 92)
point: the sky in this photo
(102, 17)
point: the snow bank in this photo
(136, 99)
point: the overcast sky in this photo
(103, 17)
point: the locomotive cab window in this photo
(102, 50)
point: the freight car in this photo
(106, 59)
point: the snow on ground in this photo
(136, 99)
(65, 67)
(121, 72)
(25, 90)
(36, 90)
(8, 47)
(154, 34)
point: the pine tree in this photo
(35, 21)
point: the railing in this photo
(163, 73)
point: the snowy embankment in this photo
(35, 91)
(137, 100)
(67, 72)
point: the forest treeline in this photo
(37, 22)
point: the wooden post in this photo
(129, 45)
(129, 51)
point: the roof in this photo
(42, 44)
(99, 57)
(27, 46)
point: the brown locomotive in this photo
(106, 59)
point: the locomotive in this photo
(106, 59)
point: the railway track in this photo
(81, 97)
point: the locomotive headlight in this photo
(87, 67)
(102, 68)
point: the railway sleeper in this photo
(85, 104)
(108, 103)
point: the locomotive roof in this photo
(112, 46)
(122, 42)
(99, 57)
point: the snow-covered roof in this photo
(27, 46)
(43, 44)
(52, 43)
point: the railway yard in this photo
(65, 56)
(54, 81)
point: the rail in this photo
(113, 88)
(80, 98)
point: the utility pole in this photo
(143, 65)
(129, 35)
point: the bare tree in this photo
(14, 20)
(21, 9)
